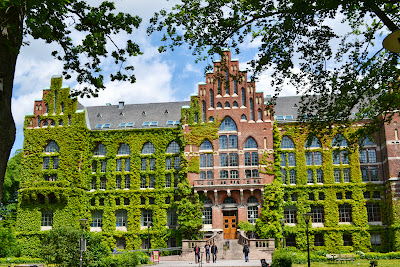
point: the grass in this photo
(356, 263)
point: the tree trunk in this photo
(11, 26)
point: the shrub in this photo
(128, 259)
(20, 260)
(9, 246)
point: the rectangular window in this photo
(47, 218)
(203, 175)
(290, 214)
(223, 174)
(374, 212)
(93, 184)
(207, 213)
(317, 214)
(143, 182)
(177, 163)
(168, 163)
(336, 175)
(152, 181)
(371, 156)
(247, 159)
(118, 182)
(210, 160)
(255, 173)
(97, 217)
(291, 159)
(233, 143)
(310, 176)
(254, 158)
(373, 171)
(223, 142)
(318, 240)
(168, 180)
(103, 166)
(210, 175)
(147, 217)
(127, 182)
(247, 173)
(55, 163)
(320, 176)
(127, 165)
(176, 179)
(283, 159)
(283, 174)
(346, 175)
(344, 155)
(347, 240)
(46, 163)
(223, 160)
(363, 156)
(309, 158)
(292, 176)
(121, 218)
(376, 240)
(234, 174)
(252, 214)
(317, 158)
(233, 159)
(152, 164)
(345, 213)
(119, 165)
(172, 217)
(103, 183)
(143, 166)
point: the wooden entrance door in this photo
(230, 226)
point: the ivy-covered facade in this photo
(174, 170)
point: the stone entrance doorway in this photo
(230, 224)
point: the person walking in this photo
(207, 249)
(246, 251)
(214, 251)
(196, 253)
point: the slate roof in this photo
(287, 106)
(134, 113)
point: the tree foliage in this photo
(62, 22)
(300, 43)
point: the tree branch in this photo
(385, 19)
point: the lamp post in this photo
(252, 225)
(148, 238)
(283, 232)
(82, 243)
(203, 218)
(307, 217)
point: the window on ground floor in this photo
(252, 214)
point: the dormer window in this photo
(166, 112)
(99, 115)
(144, 113)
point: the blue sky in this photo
(170, 76)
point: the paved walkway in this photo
(221, 263)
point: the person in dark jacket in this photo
(246, 251)
(214, 251)
(196, 254)
(207, 250)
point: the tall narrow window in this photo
(212, 98)
(251, 109)
(259, 115)
(219, 86)
(235, 86)
(243, 97)
(55, 101)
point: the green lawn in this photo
(361, 263)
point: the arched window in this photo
(228, 125)
(227, 105)
(211, 98)
(259, 115)
(211, 119)
(207, 200)
(367, 141)
(312, 142)
(243, 117)
(250, 143)
(251, 109)
(287, 142)
(252, 199)
(219, 105)
(148, 148)
(206, 145)
(52, 147)
(229, 200)
(339, 141)
(100, 150)
(235, 104)
(173, 148)
(124, 150)
(243, 97)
